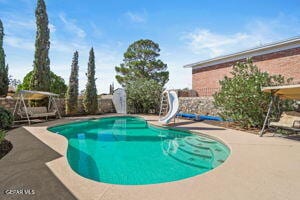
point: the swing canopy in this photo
(35, 95)
(28, 112)
(284, 92)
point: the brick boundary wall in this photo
(105, 105)
(286, 63)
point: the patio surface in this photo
(257, 168)
(24, 168)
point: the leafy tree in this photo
(141, 61)
(41, 64)
(241, 98)
(143, 96)
(72, 92)
(57, 84)
(90, 101)
(14, 82)
(4, 80)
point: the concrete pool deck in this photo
(257, 168)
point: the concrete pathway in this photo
(23, 169)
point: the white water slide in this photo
(169, 105)
(119, 100)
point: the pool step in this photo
(206, 141)
(216, 151)
(187, 157)
(195, 144)
(191, 161)
(197, 139)
(196, 152)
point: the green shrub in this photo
(2, 135)
(143, 96)
(241, 98)
(6, 118)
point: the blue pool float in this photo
(199, 117)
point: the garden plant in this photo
(241, 98)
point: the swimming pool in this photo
(128, 151)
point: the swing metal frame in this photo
(27, 95)
(284, 92)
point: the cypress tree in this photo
(90, 101)
(4, 80)
(72, 92)
(41, 64)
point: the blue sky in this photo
(187, 31)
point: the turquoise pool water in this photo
(129, 151)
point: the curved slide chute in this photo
(172, 105)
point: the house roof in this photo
(265, 49)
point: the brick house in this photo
(277, 58)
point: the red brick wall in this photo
(286, 63)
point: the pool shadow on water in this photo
(111, 137)
(82, 163)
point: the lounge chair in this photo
(288, 121)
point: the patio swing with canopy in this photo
(284, 92)
(28, 112)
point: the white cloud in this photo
(71, 25)
(67, 46)
(136, 17)
(52, 28)
(179, 77)
(209, 44)
(18, 23)
(18, 42)
(20, 33)
(97, 32)
(214, 44)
